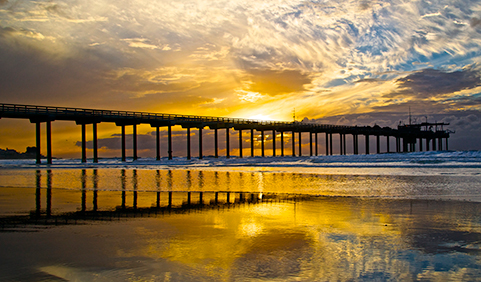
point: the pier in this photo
(409, 138)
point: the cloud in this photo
(368, 80)
(140, 43)
(273, 82)
(431, 82)
(243, 58)
(475, 22)
(248, 96)
(11, 32)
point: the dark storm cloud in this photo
(431, 82)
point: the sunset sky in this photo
(337, 62)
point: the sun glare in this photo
(261, 117)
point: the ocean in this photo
(381, 217)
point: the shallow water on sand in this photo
(237, 224)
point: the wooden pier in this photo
(406, 136)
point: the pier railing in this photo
(67, 113)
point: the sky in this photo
(336, 62)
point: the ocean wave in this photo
(456, 159)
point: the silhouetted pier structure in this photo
(406, 136)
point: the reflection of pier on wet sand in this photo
(427, 217)
(65, 197)
(167, 202)
(176, 202)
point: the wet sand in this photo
(106, 232)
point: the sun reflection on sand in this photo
(127, 230)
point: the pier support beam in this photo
(49, 142)
(300, 143)
(227, 143)
(420, 144)
(123, 142)
(355, 144)
(188, 143)
(216, 143)
(273, 143)
(317, 145)
(240, 143)
(157, 143)
(38, 143)
(434, 144)
(440, 144)
(96, 144)
(367, 144)
(344, 142)
(293, 144)
(387, 144)
(252, 142)
(134, 141)
(200, 143)
(330, 144)
(341, 145)
(262, 144)
(84, 145)
(447, 148)
(327, 144)
(310, 144)
(378, 144)
(282, 143)
(169, 141)
(427, 144)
